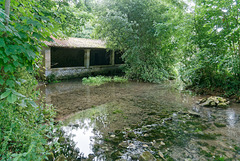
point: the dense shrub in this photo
(25, 125)
(144, 31)
(211, 50)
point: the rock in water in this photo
(202, 100)
(209, 103)
(214, 101)
(147, 156)
(121, 160)
(112, 136)
(162, 143)
(222, 105)
(145, 146)
(195, 114)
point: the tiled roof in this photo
(77, 43)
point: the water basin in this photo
(121, 121)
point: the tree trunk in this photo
(7, 10)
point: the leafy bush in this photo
(143, 30)
(25, 126)
(211, 58)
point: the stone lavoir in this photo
(75, 57)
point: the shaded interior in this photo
(66, 57)
(99, 57)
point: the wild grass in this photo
(99, 80)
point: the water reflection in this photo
(231, 117)
(84, 128)
(91, 114)
(83, 137)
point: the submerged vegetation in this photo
(99, 80)
(132, 124)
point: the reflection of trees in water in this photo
(88, 124)
(95, 118)
(67, 147)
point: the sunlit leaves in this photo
(12, 98)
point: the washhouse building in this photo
(74, 57)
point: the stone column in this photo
(47, 56)
(87, 58)
(112, 58)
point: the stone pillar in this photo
(112, 58)
(47, 56)
(87, 58)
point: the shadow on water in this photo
(122, 121)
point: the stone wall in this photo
(75, 72)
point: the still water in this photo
(121, 121)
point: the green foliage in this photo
(99, 80)
(117, 79)
(86, 31)
(143, 30)
(211, 59)
(72, 15)
(25, 125)
(96, 81)
(21, 40)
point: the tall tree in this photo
(142, 30)
(215, 59)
